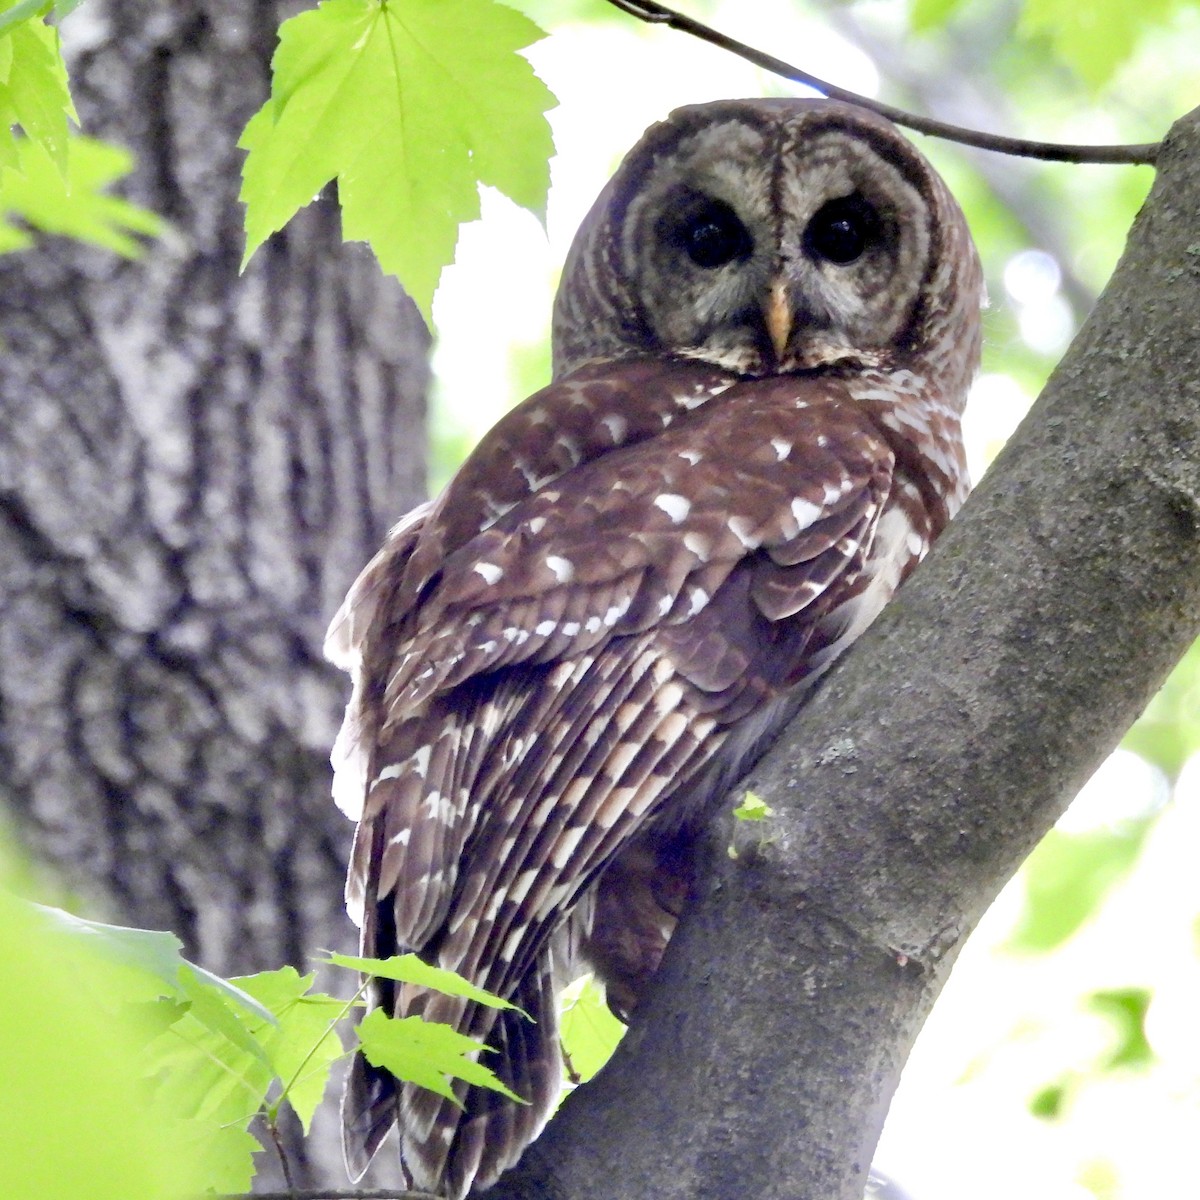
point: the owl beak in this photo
(777, 317)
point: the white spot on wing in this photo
(532, 478)
(676, 507)
(617, 427)
(544, 628)
(743, 529)
(490, 572)
(692, 457)
(782, 448)
(616, 612)
(698, 544)
(699, 395)
(805, 512)
(420, 760)
(699, 598)
(563, 568)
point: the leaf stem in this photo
(285, 1166)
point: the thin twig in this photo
(658, 14)
(285, 1166)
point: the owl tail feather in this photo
(368, 1114)
(452, 1149)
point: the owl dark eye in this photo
(842, 230)
(711, 236)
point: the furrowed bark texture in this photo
(921, 774)
(193, 466)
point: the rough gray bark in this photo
(193, 466)
(922, 773)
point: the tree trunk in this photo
(193, 466)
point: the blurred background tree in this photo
(165, 711)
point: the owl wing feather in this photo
(571, 662)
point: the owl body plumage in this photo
(625, 590)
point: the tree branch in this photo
(920, 775)
(659, 14)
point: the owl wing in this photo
(639, 541)
(567, 668)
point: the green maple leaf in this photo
(220, 1154)
(33, 91)
(588, 1030)
(409, 105)
(303, 1046)
(71, 200)
(408, 968)
(425, 1053)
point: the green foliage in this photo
(1067, 876)
(1126, 1009)
(194, 1060)
(70, 199)
(146, 960)
(1168, 733)
(925, 15)
(1093, 38)
(588, 1030)
(33, 89)
(50, 178)
(408, 968)
(753, 808)
(1048, 1103)
(74, 1120)
(425, 1053)
(25, 10)
(409, 105)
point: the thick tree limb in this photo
(921, 775)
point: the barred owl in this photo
(763, 339)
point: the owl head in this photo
(773, 236)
